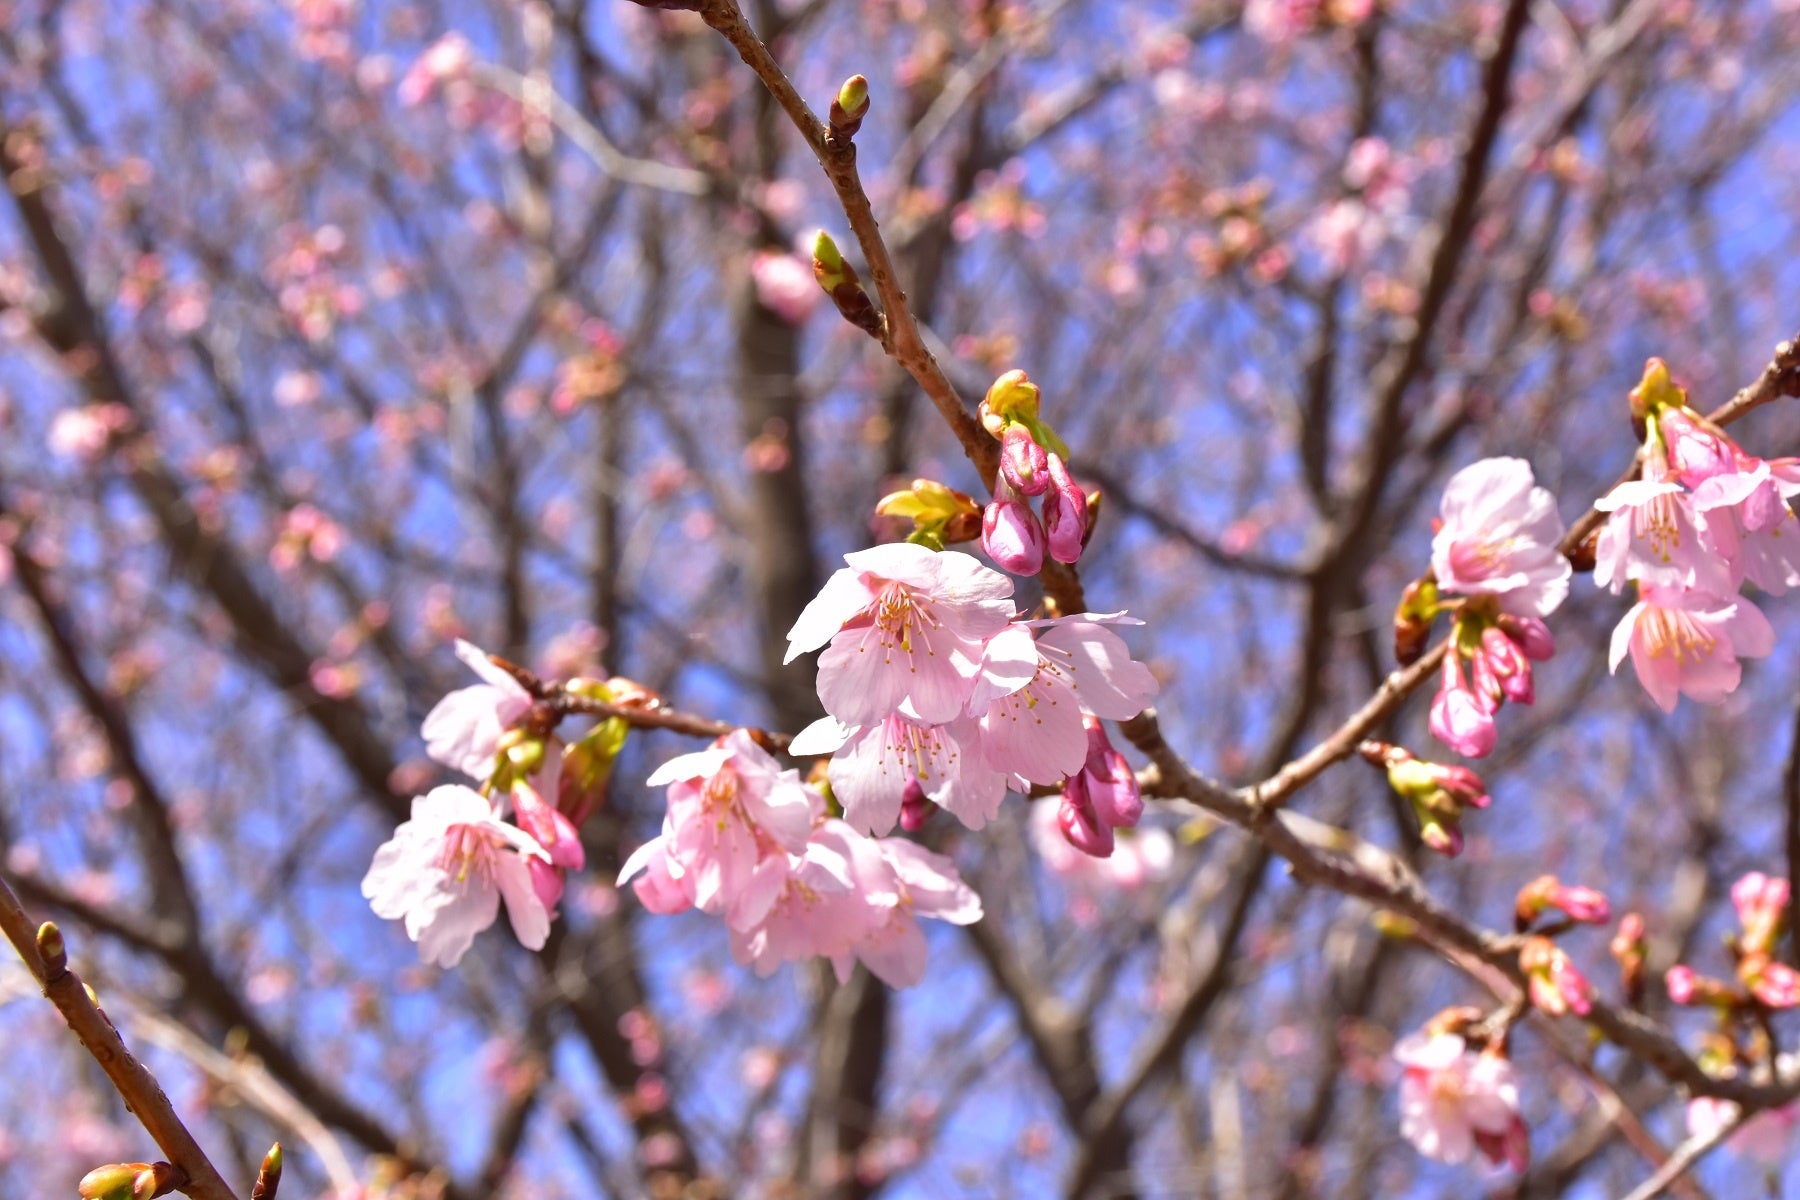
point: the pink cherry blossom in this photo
(1075, 665)
(1499, 538)
(874, 765)
(1454, 1102)
(1689, 642)
(921, 884)
(734, 818)
(464, 729)
(906, 626)
(1653, 536)
(446, 869)
(1749, 526)
(816, 911)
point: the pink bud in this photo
(1510, 668)
(915, 809)
(1010, 533)
(1025, 464)
(1682, 983)
(552, 830)
(1532, 635)
(1111, 784)
(546, 881)
(1583, 904)
(1440, 835)
(1463, 785)
(1065, 513)
(1457, 719)
(1510, 1149)
(1776, 985)
(1761, 903)
(1080, 826)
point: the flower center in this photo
(900, 617)
(1674, 633)
(468, 851)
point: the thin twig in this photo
(133, 1081)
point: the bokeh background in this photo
(333, 330)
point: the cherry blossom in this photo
(1454, 1102)
(1685, 642)
(464, 729)
(445, 871)
(1499, 538)
(1460, 718)
(1653, 536)
(906, 626)
(874, 765)
(921, 884)
(734, 817)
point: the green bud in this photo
(853, 96)
(840, 281)
(114, 1181)
(828, 263)
(52, 949)
(269, 1178)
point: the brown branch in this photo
(133, 1081)
(1343, 862)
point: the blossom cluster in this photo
(1497, 547)
(1455, 1102)
(747, 841)
(1704, 518)
(932, 685)
(1032, 463)
(447, 868)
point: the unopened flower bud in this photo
(1628, 948)
(1458, 718)
(1025, 464)
(1531, 635)
(1012, 397)
(1655, 392)
(840, 282)
(1686, 986)
(1079, 824)
(587, 765)
(1761, 902)
(268, 1179)
(1507, 665)
(850, 106)
(156, 1179)
(1010, 533)
(1065, 513)
(52, 949)
(1413, 616)
(915, 809)
(1774, 983)
(1556, 987)
(111, 1182)
(1582, 904)
(1110, 784)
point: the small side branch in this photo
(46, 959)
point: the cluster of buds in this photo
(1499, 649)
(1101, 797)
(941, 515)
(1439, 794)
(1761, 903)
(1032, 463)
(1555, 985)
